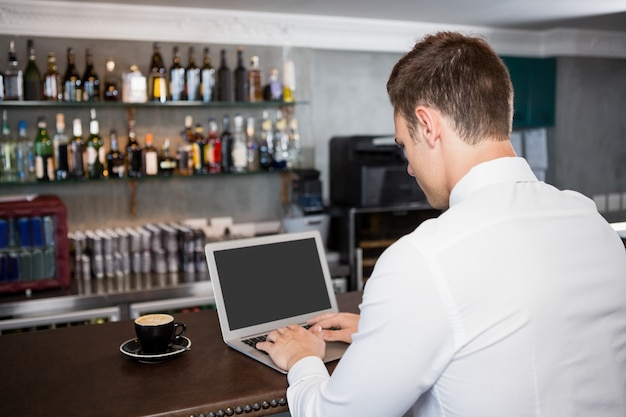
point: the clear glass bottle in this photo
(266, 142)
(150, 157)
(213, 149)
(52, 81)
(157, 78)
(95, 149)
(91, 81)
(111, 82)
(252, 146)
(134, 153)
(255, 81)
(224, 80)
(115, 161)
(13, 77)
(281, 142)
(72, 83)
(207, 78)
(167, 163)
(192, 78)
(241, 78)
(60, 143)
(289, 75)
(77, 151)
(44, 153)
(177, 78)
(239, 149)
(25, 154)
(294, 147)
(32, 76)
(8, 152)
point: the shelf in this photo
(151, 104)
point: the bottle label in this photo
(152, 163)
(39, 171)
(92, 155)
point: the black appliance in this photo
(370, 171)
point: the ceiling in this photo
(604, 15)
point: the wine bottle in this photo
(91, 82)
(95, 149)
(192, 78)
(177, 78)
(150, 157)
(13, 77)
(241, 78)
(111, 82)
(60, 143)
(52, 81)
(227, 145)
(72, 83)
(207, 78)
(157, 82)
(255, 81)
(213, 149)
(77, 151)
(44, 153)
(8, 151)
(32, 76)
(239, 149)
(115, 162)
(134, 153)
(224, 80)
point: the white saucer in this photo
(132, 349)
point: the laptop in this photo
(267, 282)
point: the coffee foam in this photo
(154, 319)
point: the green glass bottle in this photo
(95, 150)
(44, 153)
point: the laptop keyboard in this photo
(252, 341)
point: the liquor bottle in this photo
(266, 142)
(60, 143)
(227, 145)
(13, 77)
(289, 76)
(25, 154)
(239, 149)
(115, 161)
(150, 157)
(294, 147)
(192, 78)
(252, 146)
(8, 151)
(188, 134)
(241, 78)
(134, 153)
(197, 151)
(273, 91)
(213, 149)
(44, 153)
(95, 149)
(157, 79)
(77, 151)
(52, 81)
(177, 78)
(207, 78)
(255, 81)
(1, 85)
(91, 82)
(111, 82)
(32, 76)
(72, 83)
(167, 163)
(281, 142)
(224, 80)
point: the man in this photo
(511, 303)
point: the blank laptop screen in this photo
(270, 282)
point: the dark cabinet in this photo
(534, 84)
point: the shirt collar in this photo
(496, 171)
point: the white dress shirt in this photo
(511, 303)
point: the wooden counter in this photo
(79, 371)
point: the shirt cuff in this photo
(307, 367)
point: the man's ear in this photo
(428, 122)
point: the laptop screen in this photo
(269, 282)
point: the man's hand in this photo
(336, 327)
(287, 345)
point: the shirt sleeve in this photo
(404, 341)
